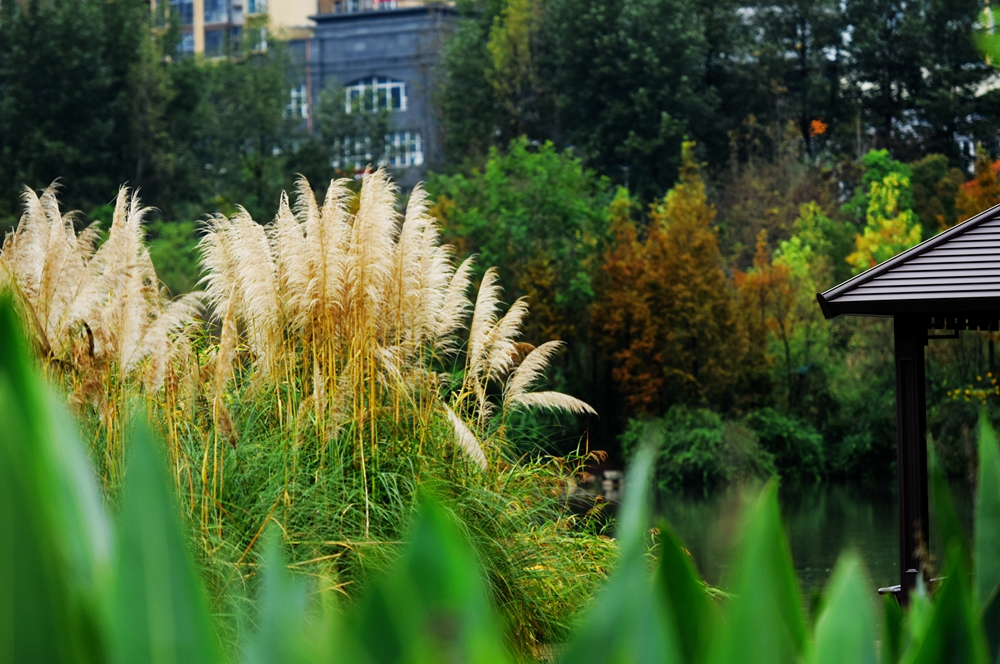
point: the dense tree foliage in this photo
(667, 182)
(625, 81)
(92, 95)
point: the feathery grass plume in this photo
(99, 316)
(465, 438)
(553, 401)
(334, 358)
(454, 308)
(110, 294)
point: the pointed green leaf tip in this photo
(432, 607)
(845, 630)
(160, 614)
(54, 537)
(986, 534)
(892, 630)
(952, 631)
(281, 635)
(766, 624)
(679, 586)
(629, 623)
(944, 519)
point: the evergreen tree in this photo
(65, 96)
(628, 78)
(694, 295)
(800, 47)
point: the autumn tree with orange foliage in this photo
(622, 315)
(983, 191)
(665, 312)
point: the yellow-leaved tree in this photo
(889, 228)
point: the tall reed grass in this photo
(334, 363)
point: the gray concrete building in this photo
(383, 57)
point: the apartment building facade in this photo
(386, 51)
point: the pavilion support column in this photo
(910, 334)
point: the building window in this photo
(298, 104)
(375, 93)
(183, 9)
(402, 149)
(216, 11)
(215, 42)
(256, 6)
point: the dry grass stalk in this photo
(366, 302)
(97, 313)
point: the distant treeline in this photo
(624, 81)
(668, 182)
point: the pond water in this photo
(821, 521)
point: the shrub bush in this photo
(698, 448)
(797, 448)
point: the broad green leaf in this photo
(629, 622)
(54, 537)
(846, 628)
(944, 521)
(281, 636)
(161, 614)
(679, 586)
(952, 632)
(432, 608)
(766, 624)
(986, 534)
(892, 630)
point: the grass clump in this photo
(337, 366)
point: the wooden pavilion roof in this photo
(953, 275)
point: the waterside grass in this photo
(333, 368)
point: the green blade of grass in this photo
(54, 537)
(953, 631)
(766, 624)
(892, 630)
(161, 614)
(432, 608)
(986, 534)
(679, 586)
(945, 520)
(629, 623)
(846, 629)
(281, 637)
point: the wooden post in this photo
(910, 334)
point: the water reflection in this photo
(821, 521)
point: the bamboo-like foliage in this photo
(358, 307)
(96, 312)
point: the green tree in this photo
(918, 74)
(629, 88)
(800, 48)
(538, 215)
(465, 98)
(65, 96)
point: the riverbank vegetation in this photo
(333, 366)
(95, 587)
